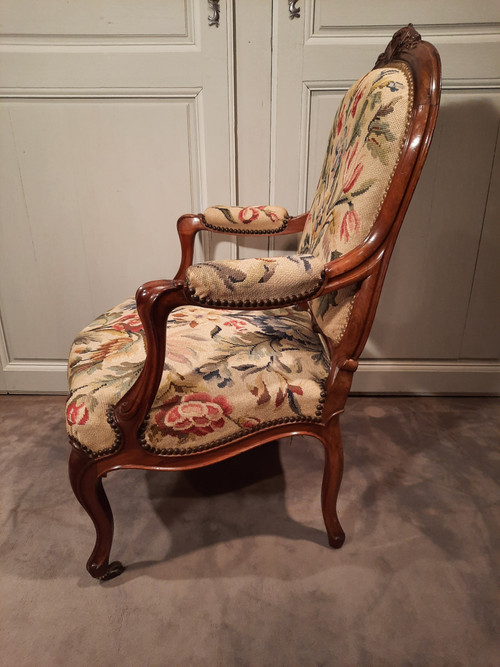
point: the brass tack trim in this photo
(110, 418)
(238, 230)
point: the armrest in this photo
(254, 283)
(246, 219)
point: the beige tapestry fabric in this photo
(260, 281)
(247, 219)
(226, 373)
(363, 150)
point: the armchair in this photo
(229, 354)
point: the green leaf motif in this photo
(326, 302)
(226, 213)
(379, 136)
(364, 187)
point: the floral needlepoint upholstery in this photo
(363, 149)
(248, 219)
(226, 372)
(268, 280)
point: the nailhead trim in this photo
(237, 230)
(110, 418)
(179, 451)
(290, 300)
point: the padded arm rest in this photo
(247, 219)
(253, 283)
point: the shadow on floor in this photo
(243, 497)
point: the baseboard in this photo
(35, 377)
(427, 378)
(373, 377)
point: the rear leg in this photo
(332, 478)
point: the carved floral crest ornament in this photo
(233, 354)
(404, 39)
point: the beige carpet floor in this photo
(230, 566)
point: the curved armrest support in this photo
(155, 301)
(352, 270)
(187, 228)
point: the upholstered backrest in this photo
(363, 150)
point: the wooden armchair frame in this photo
(366, 266)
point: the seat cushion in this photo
(226, 372)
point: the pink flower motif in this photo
(250, 422)
(130, 322)
(340, 122)
(359, 95)
(270, 214)
(237, 324)
(248, 214)
(350, 224)
(177, 350)
(352, 168)
(197, 413)
(77, 414)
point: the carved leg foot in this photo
(336, 541)
(332, 477)
(88, 489)
(114, 570)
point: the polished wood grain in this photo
(364, 266)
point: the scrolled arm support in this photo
(353, 267)
(155, 301)
(187, 228)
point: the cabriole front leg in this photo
(332, 477)
(87, 487)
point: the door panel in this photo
(63, 245)
(385, 16)
(430, 278)
(80, 20)
(112, 126)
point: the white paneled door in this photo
(116, 117)
(437, 328)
